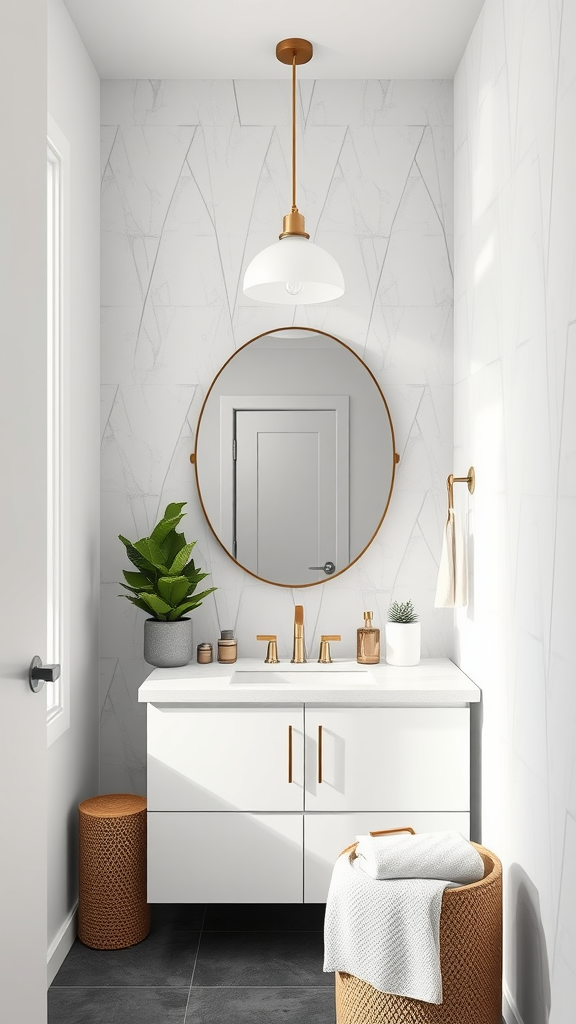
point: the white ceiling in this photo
(237, 38)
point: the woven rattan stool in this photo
(112, 908)
(470, 959)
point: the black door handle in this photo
(40, 674)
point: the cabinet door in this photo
(326, 835)
(224, 858)
(393, 759)
(225, 758)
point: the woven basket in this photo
(112, 908)
(470, 960)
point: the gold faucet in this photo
(272, 652)
(298, 656)
(325, 658)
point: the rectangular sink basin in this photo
(309, 680)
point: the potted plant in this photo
(402, 635)
(164, 586)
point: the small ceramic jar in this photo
(227, 647)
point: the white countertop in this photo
(435, 682)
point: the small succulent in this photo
(402, 612)
(166, 579)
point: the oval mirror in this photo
(295, 457)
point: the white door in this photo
(286, 481)
(392, 759)
(226, 758)
(285, 503)
(23, 512)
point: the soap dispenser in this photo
(368, 642)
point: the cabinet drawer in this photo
(225, 758)
(399, 758)
(326, 835)
(224, 858)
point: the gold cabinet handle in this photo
(290, 753)
(319, 753)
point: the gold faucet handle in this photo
(325, 638)
(272, 652)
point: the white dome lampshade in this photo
(293, 271)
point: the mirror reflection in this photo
(295, 457)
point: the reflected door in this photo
(291, 492)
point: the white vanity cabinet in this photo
(211, 769)
(398, 759)
(225, 758)
(252, 795)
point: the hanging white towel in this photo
(452, 586)
(385, 932)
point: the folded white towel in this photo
(452, 585)
(426, 855)
(385, 932)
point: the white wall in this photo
(74, 104)
(195, 182)
(515, 381)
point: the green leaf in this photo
(150, 550)
(200, 597)
(173, 589)
(163, 528)
(137, 580)
(137, 601)
(159, 607)
(171, 546)
(193, 574)
(174, 509)
(196, 580)
(133, 590)
(187, 606)
(138, 560)
(180, 560)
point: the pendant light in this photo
(294, 270)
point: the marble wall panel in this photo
(195, 181)
(515, 254)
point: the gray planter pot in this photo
(168, 644)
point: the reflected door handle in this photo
(40, 674)
(328, 568)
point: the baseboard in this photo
(61, 944)
(511, 1012)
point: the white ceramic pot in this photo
(168, 644)
(403, 643)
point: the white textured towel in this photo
(452, 586)
(425, 855)
(385, 932)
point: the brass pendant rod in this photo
(294, 207)
(294, 51)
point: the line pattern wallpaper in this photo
(195, 181)
(515, 381)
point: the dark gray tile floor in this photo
(240, 964)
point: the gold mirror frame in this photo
(395, 460)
